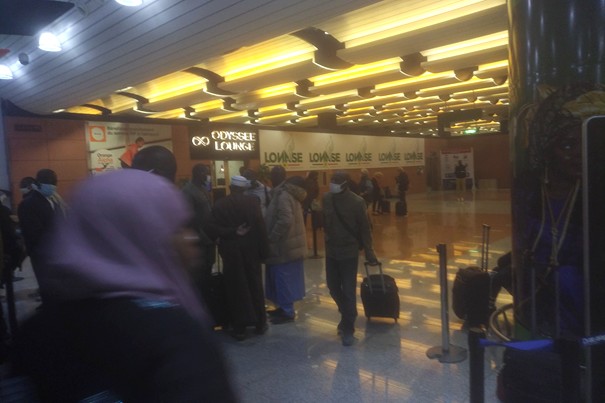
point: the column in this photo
(557, 70)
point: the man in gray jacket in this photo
(347, 230)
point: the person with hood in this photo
(284, 275)
(121, 316)
(347, 230)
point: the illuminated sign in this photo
(224, 144)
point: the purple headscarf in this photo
(117, 242)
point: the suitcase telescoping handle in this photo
(379, 264)
(485, 247)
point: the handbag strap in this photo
(344, 224)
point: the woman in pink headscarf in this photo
(119, 312)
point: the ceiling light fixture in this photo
(130, 3)
(5, 72)
(49, 42)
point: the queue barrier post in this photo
(446, 353)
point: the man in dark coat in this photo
(11, 255)
(38, 213)
(239, 229)
(200, 201)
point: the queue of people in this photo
(112, 270)
(120, 318)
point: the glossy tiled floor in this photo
(304, 361)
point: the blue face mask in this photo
(336, 187)
(47, 190)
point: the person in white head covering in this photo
(239, 229)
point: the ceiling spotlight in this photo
(130, 3)
(49, 42)
(5, 72)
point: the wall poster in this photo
(449, 160)
(109, 141)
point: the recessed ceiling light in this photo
(49, 42)
(130, 3)
(5, 72)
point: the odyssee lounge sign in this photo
(224, 144)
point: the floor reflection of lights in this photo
(377, 381)
(305, 362)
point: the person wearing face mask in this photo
(199, 199)
(38, 212)
(120, 317)
(27, 185)
(347, 230)
(258, 189)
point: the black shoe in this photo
(261, 329)
(348, 339)
(238, 334)
(275, 312)
(280, 320)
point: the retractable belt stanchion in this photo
(447, 352)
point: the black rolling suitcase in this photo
(385, 206)
(379, 295)
(215, 296)
(399, 209)
(470, 292)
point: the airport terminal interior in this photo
(304, 361)
(317, 85)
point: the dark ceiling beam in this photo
(141, 102)
(411, 65)
(104, 111)
(228, 105)
(212, 86)
(190, 115)
(327, 46)
(302, 89)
